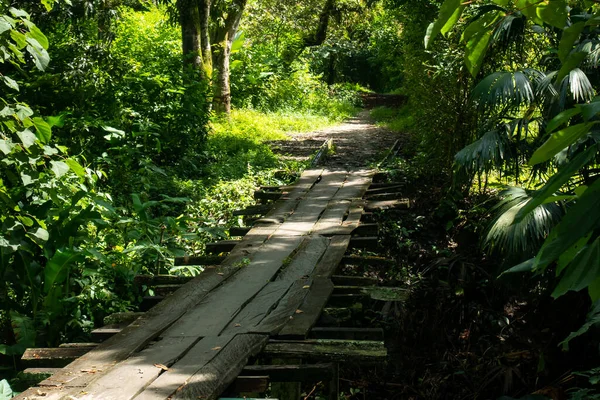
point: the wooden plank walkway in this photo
(274, 283)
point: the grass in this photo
(394, 119)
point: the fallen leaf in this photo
(220, 273)
(306, 287)
(217, 348)
(237, 325)
(161, 366)
(299, 311)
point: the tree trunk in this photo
(204, 8)
(221, 54)
(189, 18)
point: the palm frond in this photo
(518, 241)
(580, 86)
(504, 89)
(484, 154)
(510, 31)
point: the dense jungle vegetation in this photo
(131, 129)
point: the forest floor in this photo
(358, 143)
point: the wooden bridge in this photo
(249, 321)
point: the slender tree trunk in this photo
(189, 18)
(204, 8)
(221, 54)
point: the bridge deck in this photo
(195, 342)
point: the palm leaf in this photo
(518, 240)
(485, 153)
(505, 89)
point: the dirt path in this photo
(358, 142)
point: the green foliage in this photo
(6, 392)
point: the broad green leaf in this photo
(75, 167)
(449, 14)
(11, 83)
(569, 36)
(502, 3)
(561, 118)
(558, 141)
(49, 4)
(592, 318)
(580, 219)
(19, 38)
(6, 392)
(58, 121)
(238, 42)
(529, 9)
(553, 12)
(525, 266)
(59, 168)
(39, 236)
(477, 37)
(23, 112)
(4, 25)
(580, 190)
(23, 328)
(582, 271)
(573, 60)
(18, 13)
(58, 266)
(6, 146)
(565, 258)
(39, 54)
(44, 132)
(557, 181)
(36, 33)
(589, 110)
(594, 290)
(27, 138)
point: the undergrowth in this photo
(394, 119)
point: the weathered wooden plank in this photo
(332, 217)
(368, 260)
(224, 246)
(332, 257)
(239, 230)
(161, 279)
(222, 304)
(347, 333)
(401, 204)
(291, 373)
(309, 311)
(199, 260)
(326, 349)
(268, 298)
(41, 393)
(259, 209)
(164, 290)
(344, 280)
(52, 357)
(351, 220)
(356, 185)
(267, 195)
(385, 188)
(383, 196)
(366, 230)
(77, 345)
(321, 154)
(364, 242)
(197, 357)
(127, 379)
(213, 378)
(106, 332)
(249, 384)
(45, 372)
(137, 335)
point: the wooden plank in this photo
(268, 298)
(259, 209)
(137, 335)
(315, 300)
(291, 373)
(41, 393)
(267, 195)
(161, 279)
(52, 357)
(41, 371)
(213, 379)
(321, 154)
(127, 379)
(224, 246)
(239, 230)
(401, 204)
(344, 280)
(196, 358)
(387, 188)
(356, 185)
(332, 217)
(223, 303)
(199, 260)
(371, 229)
(364, 242)
(347, 333)
(105, 333)
(164, 290)
(333, 256)
(249, 384)
(383, 196)
(77, 345)
(368, 260)
(351, 220)
(325, 349)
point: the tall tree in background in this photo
(208, 28)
